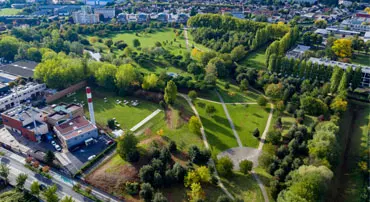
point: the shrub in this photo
(146, 192)
(111, 124)
(224, 198)
(88, 190)
(172, 147)
(245, 166)
(225, 166)
(256, 133)
(132, 188)
(35, 164)
(192, 94)
(45, 169)
(29, 160)
(261, 100)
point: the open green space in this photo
(126, 115)
(243, 186)
(352, 182)
(246, 119)
(231, 95)
(362, 60)
(9, 11)
(288, 120)
(256, 59)
(216, 126)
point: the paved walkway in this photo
(228, 103)
(186, 37)
(230, 120)
(241, 153)
(263, 138)
(211, 162)
(144, 121)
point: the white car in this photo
(57, 147)
(53, 143)
(91, 157)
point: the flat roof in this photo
(21, 68)
(75, 127)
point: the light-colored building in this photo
(26, 121)
(106, 12)
(75, 131)
(365, 83)
(297, 52)
(122, 18)
(367, 36)
(20, 94)
(359, 24)
(85, 16)
(62, 112)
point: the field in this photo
(126, 115)
(9, 11)
(217, 127)
(244, 187)
(256, 59)
(246, 118)
(362, 60)
(349, 181)
(231, 95)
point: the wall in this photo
(80, 140)
(14, 124)
(62, 93)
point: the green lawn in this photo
(288, 120)
(231, 95)
(244, 187)
(256, 59)
(362, 60)
(126, 115)
(246, 119)
(9, 11)
(217, 127)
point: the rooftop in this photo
(75, 127)
(22, 68)
(22, 112)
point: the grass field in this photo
(246, 119)
(352, 182)
(231, 95)
(256, 59)
(362, 60)
(243, 186)
(217, 127)
(9, 11)
(126, 115)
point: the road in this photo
(64, 183)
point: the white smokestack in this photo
(91, 108)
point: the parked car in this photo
(109, 142)
(53, 143)
(57, 147)
(91, 157)
(42, 187)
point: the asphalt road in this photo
(64, 183)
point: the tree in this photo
(125, 76)
(105, 75)
(136, 43)
(49, 157)
(342, 48)
(335, 79)
(238, 53)
(146, 192)
(210, 110)
(34, 54)
(159, 197)
(150, 81)
(223, 198)
(194, 125)
(339, 105)
(256, 133)
(4, 171)
(196, 193)
(211, 74)
(206, 57)
(8, 48)
(35, 188)
(127, 147)
(313, 106)
(108, 42)
(21, 180)
(274, 90)
(192, 94)
(321, 23)
(225, 166)
(170, 92)
(111, 124)
(343, 84)
(50, 194)
(67, 199)
(245, 166)
(244, 85)
(274, 137)
(261, 100)
(220, 66)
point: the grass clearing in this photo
(217, 127)
(126, 115)
(362, 60)
(246, 119)
(244, 187)
(9, 11)
(256, 59)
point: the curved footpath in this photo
(240, 153)
(211, 162)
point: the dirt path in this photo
(211, 162)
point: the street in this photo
(64, 183)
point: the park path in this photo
(259, 182)
(263, 138)
(186, 37)
(230, 120)
(204, 137)
(145, 120)
(228, 103)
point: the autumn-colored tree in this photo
(342, 48)
(339, 105)
(196, 193)
(194, 125)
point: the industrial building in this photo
(85, 16)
